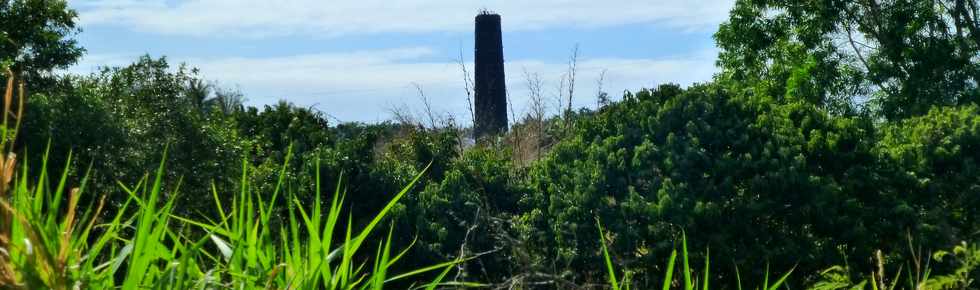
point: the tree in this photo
(900, 57)
(227, 101)
(119, 120)
(277, 127)
(37, 36)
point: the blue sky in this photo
(358, 60)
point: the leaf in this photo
(222, 246)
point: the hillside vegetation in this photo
(837, 148)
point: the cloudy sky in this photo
(356, 60)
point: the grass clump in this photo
(50, 241)
(689, 279)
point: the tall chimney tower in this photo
(490, 88)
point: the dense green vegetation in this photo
(54, 245)
(839, 142)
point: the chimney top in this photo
(486, 12)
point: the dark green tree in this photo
(119, 120)
(278, 126)
(38, 36)
(934, 159)
(901, 57)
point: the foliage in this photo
(753, 179)
(250, 245)
(835, 128)
(37, 36)
(936, 156)
(282, 125)
(759, 179)
(466, 213)
(967, 258)
(902, 56)
(914, 274)
(691, 280)
(144, 246)
(117, 120)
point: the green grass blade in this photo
(438, 280)
(707, 263)
(738, 278)
(605, 253)
(781, 279)
(669, 274)
(688, 284)
(374, 222)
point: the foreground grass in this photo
(918, 275)
(689, 280)
(49, 241)
(54, 245)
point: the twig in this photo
(572, 68)
(467, 84)
(460, 268)
(428, 106)
(601, 97)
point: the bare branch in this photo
(560, 98)
(467, 83)
(428, 106)
(402, 115)
(534, 87)
(857, 51)
(602, 98)
(572, 69)
(460, 268)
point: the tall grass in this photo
(689, 279)
(918, 275)
(50, 241)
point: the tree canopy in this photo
(37, 36)
(897, 58)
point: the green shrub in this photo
(755, 180)
(935, 166)
(118, 119)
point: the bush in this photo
(934, 159)
(758, 182)
(117, 121)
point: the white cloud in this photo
(258, 18)
(361, 86)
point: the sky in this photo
(360, 60)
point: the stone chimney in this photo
(489, 82)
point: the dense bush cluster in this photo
(118, 121)
(756, 181)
